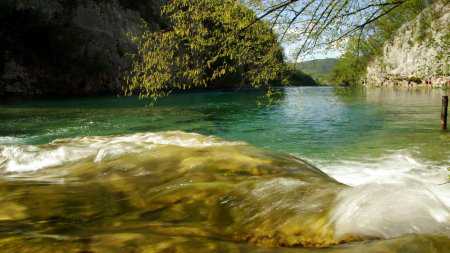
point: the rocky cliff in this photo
(68, 47)
(418, 53)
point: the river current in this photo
(320, 170)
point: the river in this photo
(223, 172)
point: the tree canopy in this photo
(322, 24)
(212, 43)
(362, 48)
(359, 28)
(205, 44)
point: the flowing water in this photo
(321, 170)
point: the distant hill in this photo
(296, 77)
(319, 69)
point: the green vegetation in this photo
(206, 46)
(319, 70)
(194, 44)
(361, 48)
(297, 77)
(351, 65)
(51, 48)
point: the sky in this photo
(318, 54)
(291, 41)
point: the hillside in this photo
(318, 69)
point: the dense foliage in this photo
(319, 69)
(297, 77)
(361, 48)
(205, 45)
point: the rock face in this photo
(69, 47)
(418, 53)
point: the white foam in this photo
(390, 196)
(23, 158)
(391, 210)
(391, 168)
(9, 140)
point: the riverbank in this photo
(397, 81)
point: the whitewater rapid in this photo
(392, 195)
(388, 197)
(26, 158)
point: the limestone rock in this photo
(418, 53)
(80, 47)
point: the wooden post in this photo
(444, 112)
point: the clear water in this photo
(311, 122)
(150, 185)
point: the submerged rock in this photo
(174, 191)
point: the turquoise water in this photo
(311, 122)
(219, 172)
